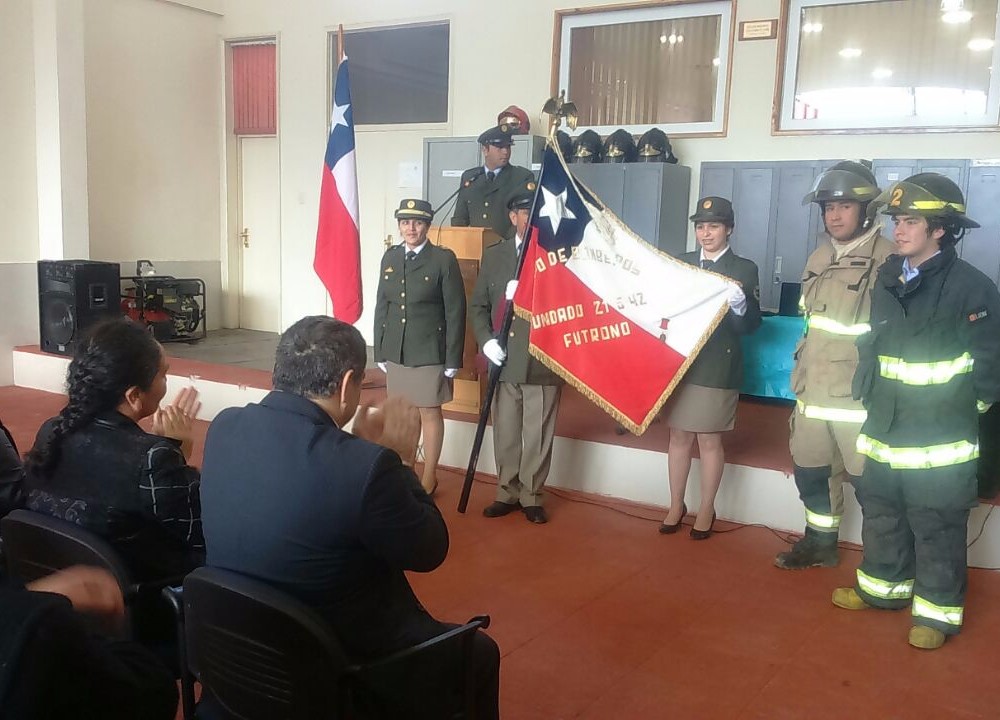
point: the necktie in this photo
(490, 176)
(707, 264)
(410, 254)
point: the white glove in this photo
(511, 289)
(450, 372)
(737, 300)
(381, 366)
(494, 352)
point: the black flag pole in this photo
(557, 109)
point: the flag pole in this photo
(556, 115)
(340, 44)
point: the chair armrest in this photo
(476, 623)
(174, 595)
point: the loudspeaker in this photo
(72, 296)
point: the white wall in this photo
(18, 189)
(154, 141)
(479, 90)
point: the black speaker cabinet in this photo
(72, 296)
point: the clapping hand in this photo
(176, 420)
(394, 423)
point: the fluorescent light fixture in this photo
(849, 52)
(881, 73)
(980, 44)
(956, 17)
(810, 27)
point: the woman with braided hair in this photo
(93, 465)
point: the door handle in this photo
(246, 237)
(777, 269)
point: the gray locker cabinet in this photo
(753, 206)
(446, 158)
(889, 171)
(797, 229)
(606, 182)
(981, 247)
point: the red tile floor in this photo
(600, 617)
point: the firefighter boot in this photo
(815, 549)
(848, 598)
(926, 638)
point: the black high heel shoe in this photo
(703, 534)
(666, 529)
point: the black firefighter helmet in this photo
(654, 146)
(619, 147)
(847, 180)
(565, 144)
(930, 195)
(587, 148)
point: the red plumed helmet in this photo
(514, 115)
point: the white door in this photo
(260, 235)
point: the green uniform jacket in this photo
(483, 203)
(420, 308)
(720, 362)
(499, 264)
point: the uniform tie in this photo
(490, 176)
(707, 264)
(410, 254)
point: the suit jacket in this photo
(11, 473)
(485, 313)
(293, 500)
(720, 362)
(420, 308)
(483, 203)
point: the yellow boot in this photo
(848, 598)
(926, 638)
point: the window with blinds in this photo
(255, 107)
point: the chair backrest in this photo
(36, 545)
(258, 652)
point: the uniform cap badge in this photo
(707, 204)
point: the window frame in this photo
(569, 19)
(783, 122)
(333, 61)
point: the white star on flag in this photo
(555, 208)
(339, 116)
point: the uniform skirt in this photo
(700, 409)
(424, 386)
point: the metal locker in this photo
(607, 182)
(956, 170)
(752, 206)
(795, 226)
(889, 171)
(717, 180)
(981, 247)
(656, 204)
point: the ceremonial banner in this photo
(615, 317)
(338, 240)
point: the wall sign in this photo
(759, 29)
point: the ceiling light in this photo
(812, 27)
(849, 52)
(980, 44)
(672, 39)
(881, 73)
(715, 62)
(956, 17)
(663, 39)
(680, 38)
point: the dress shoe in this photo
(666, 529)
(703, 534)
(499, 509)
(926, 638)
(848, 598)
(536, 514)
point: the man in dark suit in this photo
(11, 473)
(527, 399)
(482, 199)
(704, 406)
(332, 518)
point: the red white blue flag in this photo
(338, 240)
(618, 319)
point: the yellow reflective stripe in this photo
(822, 522)
(918, 457)
(802, 302)
(885, 589)
(942, 613)
(983, 406)
(931, 373)
(936, 205)
(818, 412)
(819, 322)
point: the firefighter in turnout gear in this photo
(825, 423)
(928, 366)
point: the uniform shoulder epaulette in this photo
(471, 173)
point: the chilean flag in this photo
(615, 317)
(338, 241)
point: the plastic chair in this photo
(259, 653)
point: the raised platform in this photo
(589, 457)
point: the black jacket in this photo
(130, 487)
(947, 311)
(292, 500)
(11, 474)
(720, 362)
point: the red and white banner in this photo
(615, 317)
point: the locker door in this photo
(752, 205)
(607, 182)
(981, 247)
(445, 159)
(718, 180)
(956, 170)
(794, 231)
(889, 171)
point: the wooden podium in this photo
(468, 244)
